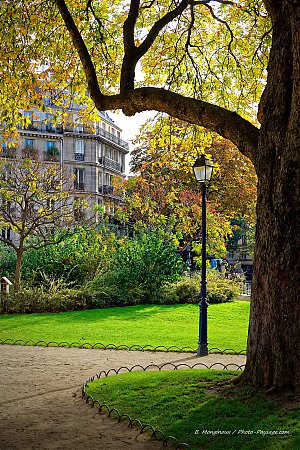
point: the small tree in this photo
(36, 197)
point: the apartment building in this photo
(93, 154)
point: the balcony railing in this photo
(79, 186)
(50, 156)
(110, 163)
(40, 126)
(79, 156)
(112, 137)
(106, 190)
(99, 132)
(7, 153)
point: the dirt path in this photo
(41, 406)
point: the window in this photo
(50, 204)
(6, 233)
(243, 255)
(29, 118)
(79, 149)
(100, 178)
(101, 152)
(29, 143)
(78, 125)
(52, 152)
(47, 100)
(108, 152)
(79, 212)
(79, 179)
(50, 145)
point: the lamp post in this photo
(203, 169)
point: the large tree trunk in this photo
(273, 354)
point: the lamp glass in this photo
(203, 169)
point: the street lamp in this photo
(203, 169)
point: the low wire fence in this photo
(246, 288)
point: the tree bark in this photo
(18, 269)
(273, 353)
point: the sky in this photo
(130, 128)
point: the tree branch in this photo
(78, 42)
(8, 242)
(130, 50)
(226, 123)
(159, 25)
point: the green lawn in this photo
(178, 403)
(156, 325)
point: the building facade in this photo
(92, 154)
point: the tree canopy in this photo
(210, 63)
(167, 148)
(210, 51)
(35, 198)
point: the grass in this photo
(155, 325)
(183, 404)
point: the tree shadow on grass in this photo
(245, 420)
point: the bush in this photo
(38, 300)
(187, 290)
(7, 261)
(109, 270)
(139, 266)
(81, 253)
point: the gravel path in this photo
(41, 406)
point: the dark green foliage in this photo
(7, 261)
(41, 299)
(139, 267)
(92, 268)
(76, 259)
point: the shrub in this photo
(80, 255)
(221, 289)
(40, 299)
(7, 261)
(187, 290)
(138, 268)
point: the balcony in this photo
(79, 156)
(99, 132)
(106, 190)
(111, 137)
(50, 128)
(51, 156)
(41, 126)
(7, 153)
(110, 163)
(79, 186)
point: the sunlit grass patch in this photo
(187, 405)
(156, 325)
